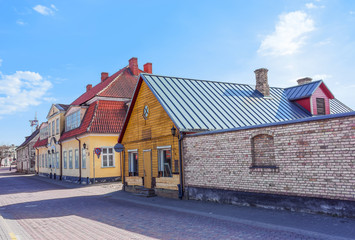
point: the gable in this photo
(53, 111)
(157, 124)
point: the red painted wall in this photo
(320, 93)
(305, 102)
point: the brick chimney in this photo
(262, 82)
(133, 65)
(304, 80)
(148, 68)
(88, 87)
(104, 75)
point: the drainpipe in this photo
(79, 159)
(37, 161)
(181, 187)
(124, 170)
(61, 161)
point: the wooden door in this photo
(147, 164)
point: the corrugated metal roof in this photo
(302, 91)
(338, 107)
(196, 105)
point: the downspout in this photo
(181, 187)
(61, 161)
(37, 161)
(79, 159)
(123, 170)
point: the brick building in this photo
(167, 112)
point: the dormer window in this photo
(72, 121)
(320, 106)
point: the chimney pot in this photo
(304, 80)
(133, 65)
(262, 82)
(88, 87)
(148, 68)
(104, 75)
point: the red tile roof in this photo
(41, 143)
(101, 117)
(123, 83)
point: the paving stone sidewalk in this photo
(42, 208)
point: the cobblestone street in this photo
(32, 207)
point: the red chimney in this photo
(148, 68)
(88, 87)
(104, 75)
(133, 65)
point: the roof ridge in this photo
(201, 80)
(93, 116)
(305, 84)
(115, 79)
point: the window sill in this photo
(269, 167)
(108, 167)
(264, 169)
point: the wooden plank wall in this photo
(151, 133)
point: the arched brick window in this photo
(263, 150)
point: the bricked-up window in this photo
(164, 163)
(133, 163)
(320, 106)
(263, 151)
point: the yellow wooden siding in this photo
(151, 133)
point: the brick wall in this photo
(312, 159)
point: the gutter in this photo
(181, 185)
(79, 159)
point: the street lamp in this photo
(173, 131)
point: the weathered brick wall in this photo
(312, 159)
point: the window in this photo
(53, 126)
(72, 121)
(83, 159)
(320, 106)
(49, 129)
(133, 163)
(145, 112)
(164, 162)
(263, 151)
(57, 125)
(50, 164)
(57, 159)
(42, 160)
(76, 158)
(44, 132)
(65, 159)
(107, 158)
(70, 159)
(46, 160)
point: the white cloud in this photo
(352, 12)
(20, 22)
(310, 5)
(45, 10)
(289, 35)
(21, 90)
(321, 77)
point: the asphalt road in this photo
(32, 207)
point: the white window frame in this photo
(57, 125)
(65, 159)
(57, 160)
(131, 163)
(108, 154)
(160, 165)
(76, 156)
(72, 121)
(70, 159)
(83, 158)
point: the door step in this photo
(145, 192)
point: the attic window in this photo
(320, 106)
(145, 112)
(72, 121)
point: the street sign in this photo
(118, 147)
(97, 151)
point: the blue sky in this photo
(50, 50)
